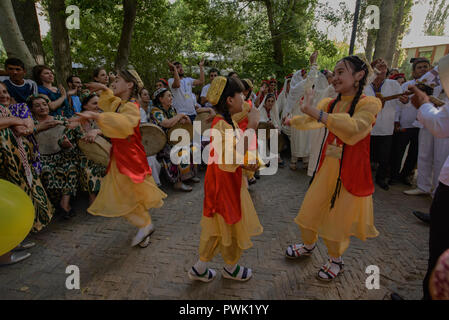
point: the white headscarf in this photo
(274, 113)
(298, 87)
(282, 98)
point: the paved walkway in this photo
(110, 269)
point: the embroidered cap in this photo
(216, 89)
(137, 77)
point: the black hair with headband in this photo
(233, 86)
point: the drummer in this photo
(269, 114)
(60, 173)
(164, 115)
(91, 173)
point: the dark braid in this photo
(357, 66)
(228, 118)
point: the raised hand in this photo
(201, 64)
(96, 86)
(307, 103)
(171, 65)
(62, 91)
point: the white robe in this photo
(300, 140)
(282, 104)
(317, 136)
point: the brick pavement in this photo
(110, 269)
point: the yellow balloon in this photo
(16, 216)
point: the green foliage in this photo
(232, 34)
(436, 18)
(3, 55)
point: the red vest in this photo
(356, 169)
(222, 190)
(130, 156)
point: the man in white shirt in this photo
(213, 73)
(184, 100)
(405, 130)
(432, 152)
(382, 133)
(437, 122)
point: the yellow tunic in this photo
(352, 215)
(216, 234)
(237, 118)
(119, 196)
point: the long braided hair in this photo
(355, 64)
(233, 86)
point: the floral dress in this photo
(175, 173)
(16, 155)
(90, 172)
(60, 171)
(22, 111)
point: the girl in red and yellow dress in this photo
(229, 217)
(128, 190)
(339, 202)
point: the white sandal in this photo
(207, 276)
(326, 270)
(245, 276)
(296, 251)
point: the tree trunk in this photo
(396, 32)
(396, 57)
(26, 16)
(12, 38)
(276, 39)
(129, 19)
(383, 40)
(60, 40)
(372, 35)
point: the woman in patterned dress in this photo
(60, 174)
(16, 156)
(164, 115)
(91, 173)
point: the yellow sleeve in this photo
(108, 102)
(120, 124)
(229, 149)
(353, 129)
(306, 122)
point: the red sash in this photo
(356, 169)
(130, 156)
(222, 190)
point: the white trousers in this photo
(432, 153)
(316, 140)
(155, 168)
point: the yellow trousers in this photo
(209, 249)
(139, 218)
(335, 249)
